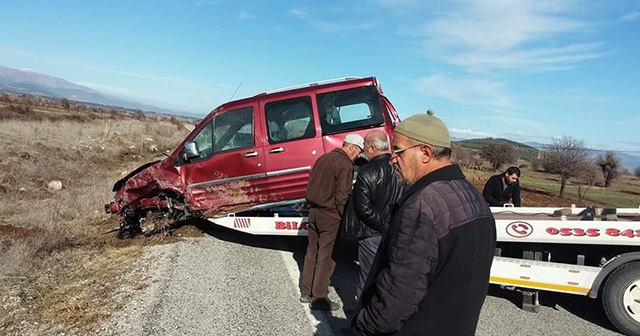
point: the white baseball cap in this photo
(355, 139)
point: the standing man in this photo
(502, 187)
(327, 192)
(431, 274)
(374, 193)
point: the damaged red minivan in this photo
(254, 152)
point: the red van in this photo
(255, 151)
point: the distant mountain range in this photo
(529, 150)
(31, 82)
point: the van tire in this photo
(621, 298)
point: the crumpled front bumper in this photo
(112, 208)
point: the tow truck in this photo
(593, 252)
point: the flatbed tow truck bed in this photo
(584, 251)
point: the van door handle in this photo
(276, 150)
(250, 154)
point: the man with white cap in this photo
(431, 273)
(327, 192)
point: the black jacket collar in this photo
(381, 157)
(451, 172)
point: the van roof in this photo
(307, 87)
(312, 84)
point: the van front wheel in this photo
(621, 298)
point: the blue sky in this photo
(527, 70)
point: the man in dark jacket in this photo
(431, 273)
(502, 187)
(327, 192)
(374, 193)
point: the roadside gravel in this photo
(229, 283)
(206, 286)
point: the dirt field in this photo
(61, 271)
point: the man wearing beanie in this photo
(431, 274)
(327, 192)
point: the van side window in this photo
(350, 109)
(233, 129)
(290, 119)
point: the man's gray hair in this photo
(380, 144)
(438, 151)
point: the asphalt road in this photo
(230, 283)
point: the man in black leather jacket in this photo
(374, 193)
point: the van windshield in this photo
(349, 109)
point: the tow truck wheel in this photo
(621, 298)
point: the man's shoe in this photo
(305, 298)
(323, 304)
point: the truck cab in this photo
(255, 151)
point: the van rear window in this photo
(349, 109)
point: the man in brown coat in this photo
(327, 192)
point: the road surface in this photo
(231, 283)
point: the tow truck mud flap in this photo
(275, 226)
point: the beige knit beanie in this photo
(425, 128)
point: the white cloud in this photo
(466, 91)
(630, 17)
(472, 133)
(189, 102)
(540, 59)
(398, 7)
(515, 123)
(207, 2)
(171, 81)
(300, 13)
(511, 34)
(244, 15)
(333, 26)
(108, 89)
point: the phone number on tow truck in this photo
(578, 232)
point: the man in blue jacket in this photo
(431, 273)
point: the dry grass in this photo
(59, 272)
(623, 193)
(542, 189)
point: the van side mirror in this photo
(190, 151)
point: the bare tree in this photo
(565, 157)
(587, 177)
(462, 156)
(637, 172)
(497, 154)
(609, 163)
(65, 104)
